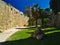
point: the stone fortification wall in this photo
(11, 17)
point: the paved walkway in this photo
(6, 34)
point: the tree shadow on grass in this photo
(48, 30)
(51, 39)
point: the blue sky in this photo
(20, 4)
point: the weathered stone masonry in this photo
(11, 17)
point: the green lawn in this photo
(23, 37)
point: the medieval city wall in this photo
(11, 17)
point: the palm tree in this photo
(47, 15)
(41, 13)
(44, 13)
(35, 12)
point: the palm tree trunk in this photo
(42, 21)
(36, 22)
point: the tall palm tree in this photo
(41, 13)
(47, 15)
(44, 14)
(35, 12)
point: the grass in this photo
(23, 37)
